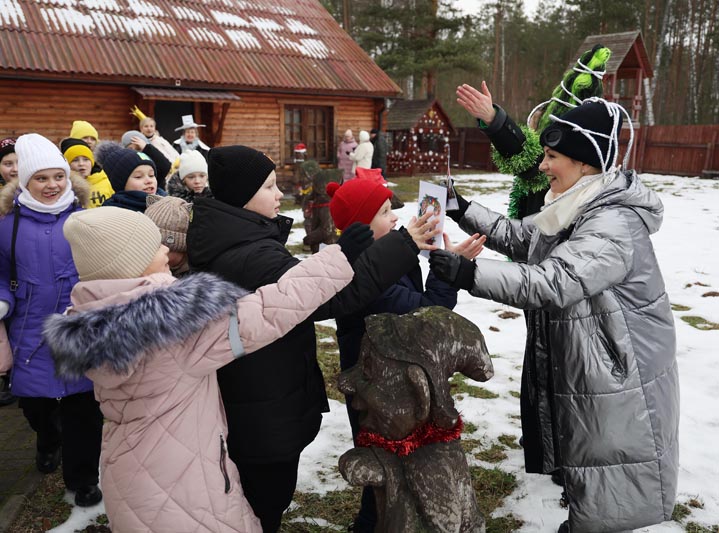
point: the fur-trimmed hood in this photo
(115, 322)
(79, 186)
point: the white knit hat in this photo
(111, 242)
(192, 161)
(35, 153)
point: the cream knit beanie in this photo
(35, 153)
(111, 243)
(192, 161)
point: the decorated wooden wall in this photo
(419, 144)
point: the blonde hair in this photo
(147, 120)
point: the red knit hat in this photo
(358, 200)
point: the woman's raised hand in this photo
(469, 248)
(423, 229)
(477, 103)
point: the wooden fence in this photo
(675, 150)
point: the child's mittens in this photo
(355, 240)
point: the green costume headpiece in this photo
(582, 81)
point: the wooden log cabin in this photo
(264, 73)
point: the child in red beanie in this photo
(369, 201)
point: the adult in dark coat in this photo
(379, 156)
(274, 398)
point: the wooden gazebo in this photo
(626, 69)
(418, 137)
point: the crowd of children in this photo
(146, 327)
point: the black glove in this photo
(451, 268)
(457, 214)
(355, 240)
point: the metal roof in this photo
(621, 44)
(280, 45)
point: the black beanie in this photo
(7, 146)
(592, 116)
(236, 173)
(118, 163)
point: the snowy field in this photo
(686, 246)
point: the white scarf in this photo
(561, 209)
(65, 200)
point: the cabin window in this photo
(312, 126)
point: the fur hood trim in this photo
(117, 336)
(79, 186)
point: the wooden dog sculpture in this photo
(411, 452)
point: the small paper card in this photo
(433, 199)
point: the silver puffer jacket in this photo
(602, 392)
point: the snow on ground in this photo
(686, 247)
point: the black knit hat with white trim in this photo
(593, 117)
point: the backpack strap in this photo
(13, 263)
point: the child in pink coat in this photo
(151, 344)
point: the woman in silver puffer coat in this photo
(600, 390)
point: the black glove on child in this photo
(457, 214)
(355, 240)
(451, 268)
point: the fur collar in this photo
(117, 336)
(79, 186)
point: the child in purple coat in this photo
(36, 276)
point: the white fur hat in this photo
(35, 153)
(192, 161)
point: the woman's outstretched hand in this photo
(424, 229)
(469, 248)
(477, 103)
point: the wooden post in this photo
(461, 147)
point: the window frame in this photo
(306, 109)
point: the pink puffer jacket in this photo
(152, 355)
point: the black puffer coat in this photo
(274, 397)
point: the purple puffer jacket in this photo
(46, 274)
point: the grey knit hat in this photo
(172, 216)
(111, 243)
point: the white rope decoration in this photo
(615, 112)
(582, 69)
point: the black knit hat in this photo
(590, 116)
(236, 173)
(7, 146)
(118, 163)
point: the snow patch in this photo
(185, 13)
(141, 7)
(67, 20)
(206, 35)
(314, 48)
(11, 14)
(243, 39)
(103, 5)
(296, 26)
(229, 19)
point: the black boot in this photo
(88, 496)
(5, 397)
(564, 527)
(47, 462)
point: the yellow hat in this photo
(76, 150)
(81, 129)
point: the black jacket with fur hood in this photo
(274, 398)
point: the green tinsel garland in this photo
(519, 163)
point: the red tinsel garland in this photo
(428, 433)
